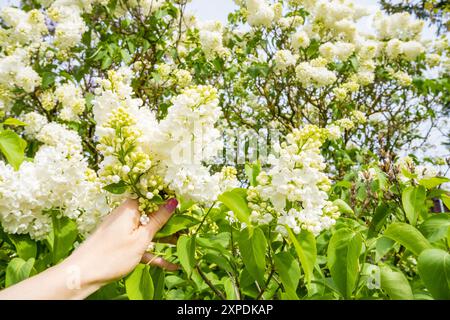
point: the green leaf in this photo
(230, 290)
(431, 183)
(354, 62)
(448, 237)
(13, 148)
(305, 246)
(434, 269)
(106, 62)
(383, 246)
(48, 78)
(236, 202)
(175, 224)
(14, 122)
(111, 291)
(446, 200)
(125, 55)
(344, 184)
(252, 171)
(186, 253)
(343, 260)
(116, 188)
(158, 279)
(131, 47)
(407, 236)
(395, 284)
(218, 242)
(382, 180)
(435, 227)
(25, 247)
(139, 284)
(64, 234)
(185, 204)
(289, 272)
(379, 219)
(343, 206)
(253, 246)
(219, 260)
(413, 199)
(18, 270)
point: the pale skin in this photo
(111, 252)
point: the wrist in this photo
(79, 278)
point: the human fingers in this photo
(172, 239)
(159, 218)
(151, 259)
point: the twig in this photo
(209, 283)
(204, 218)
(261, 292)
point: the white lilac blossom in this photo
(72, 101)
(146, 7)
(284, 59)
(294, 190)
(57, 182)
(300, 39)
(314, 73)
(34, 123)
(23, 27)
(259, 13)
(159, 159)
(186, 138)
(16, 72)
(410, 50)
(211, 39)
(338, 50)
(400, 26)
(70, 25)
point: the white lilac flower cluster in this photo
(20, 37)
(57, 182)
(70, 26)
(400, 26)
(284, 59)
(260, 13)
(146, 7)
(157, 159)
(15, 71)
(336, 51)
(315, 73)
(23, 27)
(294, 190)
(211, 39)
(71, 98)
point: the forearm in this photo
(63, 281)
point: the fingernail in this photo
(171, 204)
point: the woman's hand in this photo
(111, 252)
(120, 243)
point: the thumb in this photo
(159, 218)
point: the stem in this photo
(266, 285)
(204, 218)
(213, 288)
(236, 272)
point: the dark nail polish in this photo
(171, 204)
